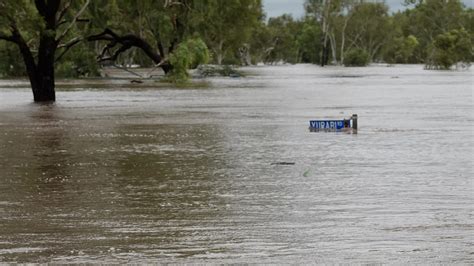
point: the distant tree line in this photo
(74, 38)
(437, 33)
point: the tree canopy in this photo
(42, 39)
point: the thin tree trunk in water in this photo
(343, 40)
(342, 49)
(325, 27)
(219, 53)
(326, 53)
(332, 41)
(324, 56)
(324, 42)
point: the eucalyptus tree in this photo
(428, 19)
(41, 30)
(156, 27)
(284, 31)
(322, 11)
(309, 47)
(333, 16)
(261, 43)
(370, 28)
(450, 48)
(226, 25)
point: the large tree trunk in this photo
(40, 73)
(41, 70)
(29, 61)
(45, 89)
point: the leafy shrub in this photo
(401, 49)
(450, 48)
(356, 57)
(78, 62)
(189, 54)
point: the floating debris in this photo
(283, 163)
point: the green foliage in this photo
(20, 11)
(23, 16)
(450, 48)
(284, 31)
(401, 49)
(259, 43)
(438, 33)
(370, 28)
(356, 57)
(308, 42)
(11, 64)
(429, 18)
(225, 26)
(80, 63)
(189, 54)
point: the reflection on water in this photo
(231, 173)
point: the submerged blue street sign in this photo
(334, 125)
(326, 124)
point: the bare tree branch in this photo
(25, 50)
(116, 54)
(8, 38)
(63, 12)
(74, 20)
(169, 3)
(127, 41)
(68, 46)
(106, 49)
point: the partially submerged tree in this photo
(400, 49)
(309, 47)
(284, 31)
(429, 18)
(370, 28)
(126, 42)
(356, 57)
(155, 27)
(334, 17)
(44, 31)
(450, 48)
(226, 25)
(41, 31)
(158, 28)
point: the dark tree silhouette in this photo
(126, 42)
(40, 65)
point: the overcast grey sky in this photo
(275, 8)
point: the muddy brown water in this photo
(117, 173)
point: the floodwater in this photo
(116, 172)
